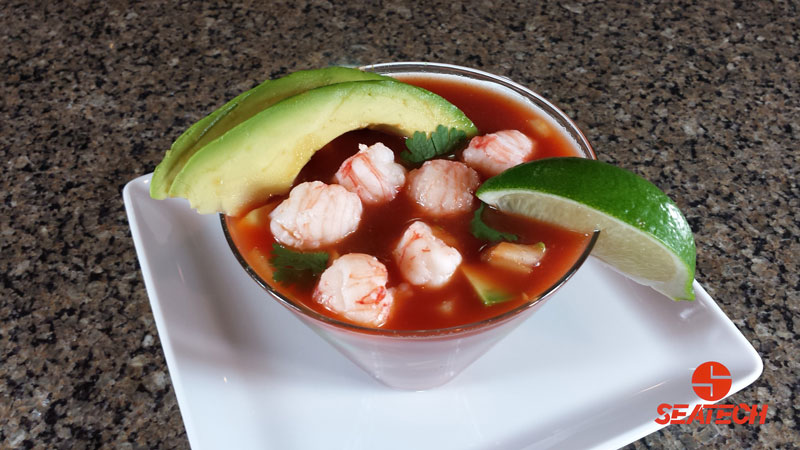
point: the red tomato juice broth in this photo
(381, 226)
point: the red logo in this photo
(711, 382)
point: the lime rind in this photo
(644, 234)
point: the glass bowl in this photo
(423, 359)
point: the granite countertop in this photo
(699, 97)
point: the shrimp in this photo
(441, 187)
(315, 215)
(518, 257)
(372, 174)
(424, 259)
(355, 287)
(496, 152)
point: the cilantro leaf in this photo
(295, 267)
(441, 142)
(486, 233)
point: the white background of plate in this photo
(587, 370)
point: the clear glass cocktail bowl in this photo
(423, 359)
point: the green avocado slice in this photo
(238, 110)
(263, 155)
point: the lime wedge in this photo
(642, 232)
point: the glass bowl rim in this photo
(421, 66)
(299, 308)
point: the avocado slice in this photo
(264, 154)
(489, 293)
(238, 110)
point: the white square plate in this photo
(587, 370)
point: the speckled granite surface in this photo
(699, 97)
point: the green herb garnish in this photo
(442, 141)
(486, 233)
(296, 267)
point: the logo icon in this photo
(711, 381)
